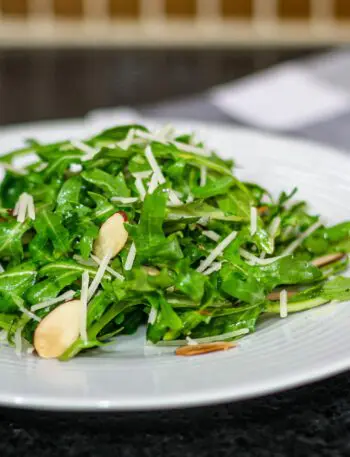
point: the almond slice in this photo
(327, 259)
(58, 330)
(205, 348)
(263, 209)
(112, 236)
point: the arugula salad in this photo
(132, 227)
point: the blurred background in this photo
(173, 22)
(63, 58)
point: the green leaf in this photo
(199, 209)
(112, 186)
(246, 289)
(70, 191)
(189, 281)
(18, 279)
(11, 234)
(66, 267)
(49, 225)
(337, 289)
(214, 187)
(243, 317)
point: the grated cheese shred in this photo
(283, 304)
(109, 269)
(64, 297)
(295, 244)
(258, 260)
(84, 301)
(153, 184)
(129, 262)
(203, 176)
(154, 165)
(125, 200)
(18, 341)
(216, 252)
(140, 188)
(152, 315)
(215, 266)
(99, 275)
(253, 220)
(88, 150)
(211, 235)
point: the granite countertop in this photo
(312, 421)
(309, 421)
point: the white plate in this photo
(281, 354)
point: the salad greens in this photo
(199, 256)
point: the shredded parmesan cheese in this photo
(295, 244)
(153, 184)
(274, 226)
(89, 151)
(154, 165)
(212, 235)
(128, 141)
(142, 174)
(28, 313)
(99, 275)
(152, 315)
(30, 208)
(204, 220)
(253, 220)
(216, 252)
(258, 260)
(273, 229)
(21, 208)
(173, 198)
(149, 136)
(283, 304)
(140, 188)
(203, 176)
(109, 269)
(129, 262)
(83, 299)
(166, 133)
(24, 207)
(64, 297)
(190, 148)
(7, 166)
(18, 341)
(190, 198)
(215, 266)
(125, 200)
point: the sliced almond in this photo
(327, 259)
(58, 330)
(112, 236)
(275, 295)
(263, 209)
(205, 348)
(151, 271)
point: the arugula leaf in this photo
(11, 233)
(49, 225)
(112, 186)
(214, 187)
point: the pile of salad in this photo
(132, 227)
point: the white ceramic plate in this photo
(281, 354)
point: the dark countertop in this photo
(309, 421)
